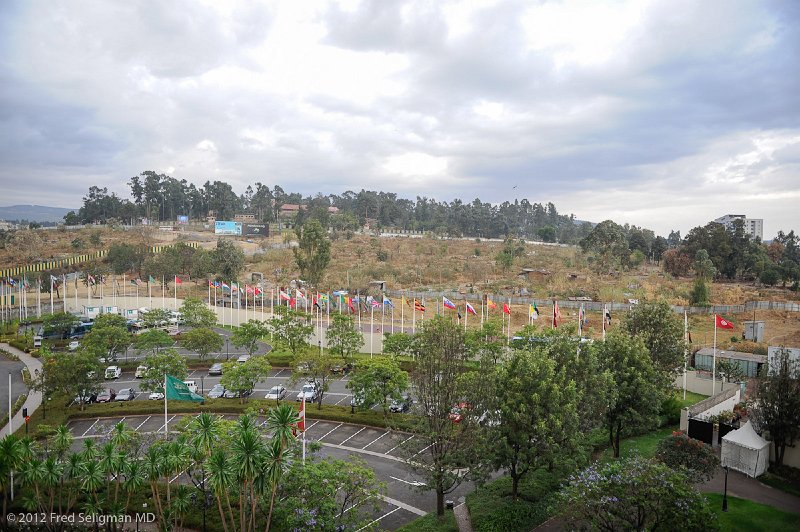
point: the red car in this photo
(106, 396)
(457, 412)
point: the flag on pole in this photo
(225, 286)
(419, 306)
(178, 280)
(556, 314)
(471, 310)
(176, 390)
(608, 316)
(490, 303)
(447, 303)
(506, 308)
(151, 280)
(533, 312)
(284, 296)
(722, 323)
(388, 302)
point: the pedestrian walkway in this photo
(462, 518)
(744, 487)
(34, 398)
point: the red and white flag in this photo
(178, 280)
(301, 425)
(506, 308)
(722, 323)
(471, 310)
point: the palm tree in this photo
(205, 432)
(247, 455)
(221, 480)
(281, 420)
(10, 461)
(74, 469)
(134, 480)
(92, 481)
(153, 468)
(61, 441)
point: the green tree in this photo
(108, 337)
(318, 366)
(636, 390)
(703, 266)
(343, 338)
(152, 340)
(538, 416)
(291, 330)
(730, 370)
(398, 344)
(60, 323)
(450, 449)
(486, 341)
(313, 252)
(378, 380)
(125, 258)
(607, 243)
(661, 330)
(195, 313)
(165, 362)
(777, 402)
(635, 494)
(75, 374)
(227, 260)
(329, 494)
(247, 335)
(157, 317)
(243, 377)
(202, 341)
(700, 294)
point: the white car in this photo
(73, 345)
(309, 391)
(276, 393)
(156, 396)
(113, 372)
(140, 371)
(242, 359)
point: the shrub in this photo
(680, 451)
(671, 411)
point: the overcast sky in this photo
(664, 114)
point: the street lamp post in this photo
(725, 495)
(202, 389)
(227, 352)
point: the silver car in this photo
(276, 393)
(216, 392)
(215, 369)
(309, 391)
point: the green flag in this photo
(151, 280)
(178, 391)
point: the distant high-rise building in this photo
(752, 226)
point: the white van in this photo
(113, 372)
(191, 385)
(140, 372)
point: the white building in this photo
(752, 226)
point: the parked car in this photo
(73, 345)
(156, 396)
(276, 392)
(458, 412)
(231, 394)
(140, 371)
(403, 405)
(126, 394)
(309, 391)
(106, 396)
(215, 369)
(216, 392)
(88, 397)
(358, 401)
(113, 372)
(242, 359)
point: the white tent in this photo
(744, 450)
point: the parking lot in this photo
(381, 449)
(337, 393)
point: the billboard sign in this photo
(227, 228)
(183, 219)
(256, 230)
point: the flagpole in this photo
(304, 429)
(392, 321)
(272, 302)
(371, 328)
(175, 297)
(414, 317)
(402, 313)
(209, 293)
(685, 343)
(51, 295)
(163, 291)
(714, 361)
(166, 429)
(150, 291)
(604, 324)
(39, 298)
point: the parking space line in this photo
(376, 439)
(143, 422)
(378, 519)
(327, 433)
(309, 427)
(90, 428)
(278, 374)
(423, 450)
(348, 439)
(165, 424)
(398, 445)
(342, 399)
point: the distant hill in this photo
(33, 213)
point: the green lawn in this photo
(691, 398)
(645, 444)
(431, 523)
(743, 515)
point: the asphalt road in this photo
(14, 368)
